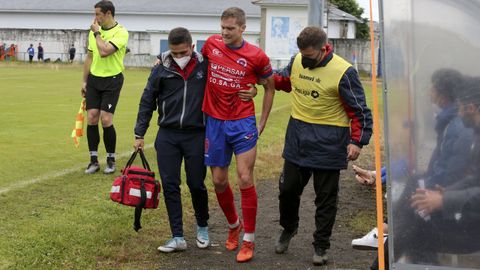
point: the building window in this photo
(199, 45)
(164, 45)
(344, 29)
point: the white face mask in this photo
(182, 61)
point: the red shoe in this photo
(232, 240)
(246, 252)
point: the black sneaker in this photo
(110, 167)
(319, 256)
(92, 168)
(284, 240)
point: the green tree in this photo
(352, 7)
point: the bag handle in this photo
(144, 159)
(142, 156)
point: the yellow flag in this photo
(77, 131)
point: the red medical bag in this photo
(136, 187)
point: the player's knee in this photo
(245, 179)
(92, 118)
(106, 120)
(220, 183)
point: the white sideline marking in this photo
(23, 183)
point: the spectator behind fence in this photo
(71, 52)
(40, 52)
(31, 53)
(12, 50)
(2, 51)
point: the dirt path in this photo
(341, 256)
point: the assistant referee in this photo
(102, 81)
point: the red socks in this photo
(249, 208)
(225, 200)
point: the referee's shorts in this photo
(103, 92)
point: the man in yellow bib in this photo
(329, 124)
(102, 81)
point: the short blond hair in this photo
(235, 12)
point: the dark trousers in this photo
(172, 147)
(422, 240)
(375, 265)
(325, 182)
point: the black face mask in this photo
(309, 63)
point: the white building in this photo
(59, 23)
(282, 21)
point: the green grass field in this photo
(55, 217)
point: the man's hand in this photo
(247, 95)
(139, 143)
(83, 90)
(363, 176)
(260, 128)
(428, 201)
(353, 151)
(95, 26)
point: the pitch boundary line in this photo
(20, 184)
(23, 183)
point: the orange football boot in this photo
(246, 252)
(233, 234)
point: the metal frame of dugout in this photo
(420, 37)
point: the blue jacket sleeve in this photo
(353, 99)
(452, 160)
(148, 102)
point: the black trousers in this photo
(375, 265)
(421, 240)
(172, 147)
(325, 182)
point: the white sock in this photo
(234, 225)
(250, 237)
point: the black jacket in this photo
(179, 101)
(462, 199)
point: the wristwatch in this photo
(95, 34)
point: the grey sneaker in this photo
(319, 256)
(92, 168)
(203, 241)
(110, 167)
(284, 240)
(174, 244)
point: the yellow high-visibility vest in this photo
(315, 93)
